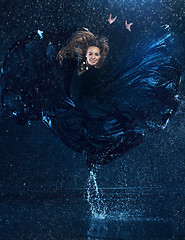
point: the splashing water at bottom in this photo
(97, 206)
(117, 209)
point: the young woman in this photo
(77, 85)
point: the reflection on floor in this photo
(133, 213)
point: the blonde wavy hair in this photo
(78, 44)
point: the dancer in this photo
(78, 86)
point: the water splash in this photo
(102, 207)
(94, 197)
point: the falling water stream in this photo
(100, 205)
(121, 215)
(94, 197)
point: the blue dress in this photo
(103, 112)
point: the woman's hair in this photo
(78, 44)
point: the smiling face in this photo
(93, 55)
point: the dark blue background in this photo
(33, 159)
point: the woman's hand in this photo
(128, 25)
(111, 20)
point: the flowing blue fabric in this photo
(103, 112)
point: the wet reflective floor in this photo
(133, 213)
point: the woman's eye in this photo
(97, 54)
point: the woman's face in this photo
(93, 55)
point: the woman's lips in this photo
(93, 61)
